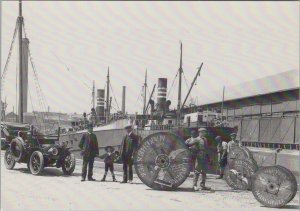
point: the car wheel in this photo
(36, 163)
(17, 150)
(9, 162)
(68, 164)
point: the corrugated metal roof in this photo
(283, 81)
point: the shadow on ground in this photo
(184, 189)
(48, 172)
(288, 206)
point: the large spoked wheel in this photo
(240, 153)
(69, 163)
(274, 186)
(239, 175)
(9, 162)
(162, 162)
(36, 164)
(293, 179)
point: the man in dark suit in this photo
(89, 146)
(128, 147)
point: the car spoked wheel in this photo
(69, 163)
(17, 150)
(36, 164)
(9, 162)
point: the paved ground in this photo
(53, 191)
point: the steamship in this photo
(161, 118)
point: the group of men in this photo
(200, 150)
(197, 143)
(89, 146)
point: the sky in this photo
(73, 43)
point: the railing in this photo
(271, 145)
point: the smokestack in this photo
(25, 44)
(161, 94)
(100, 105)
(123, 99)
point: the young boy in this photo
(222, 155)
(109, 158)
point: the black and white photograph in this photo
(150, 105)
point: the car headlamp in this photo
(54, 151)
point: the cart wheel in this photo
(36, 164)
(68, 165)
(240, 153)
(9, 162)
(274, 186)
(238, 176)
(251, 158)
(162, 162)
(292, 177)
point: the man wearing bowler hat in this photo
(89, 146)
(200, 146)
(128, 147)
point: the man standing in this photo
(89, 146)
(200, 146)
(222, 155)
(233, 142)
(128, 147)
(192, 149)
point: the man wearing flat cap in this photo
(233, 142)
(89, 146)
(200, 146)
(129, 145)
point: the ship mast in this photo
(107, 97)
(21, 98)
(191, 87)
(93, 95)
(179, 87)
(145, 94)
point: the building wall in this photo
(270, 120)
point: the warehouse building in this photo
(265, 111)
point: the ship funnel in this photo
(100, 105)
(161, 94)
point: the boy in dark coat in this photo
(109, 158)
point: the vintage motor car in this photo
(24, 144)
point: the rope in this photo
(38, 87)
(139, 96)
(9, 54)
(114, 96)
(16, 89)
(69, 70)
(172, 84)
(187, 86)
(32, 105)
